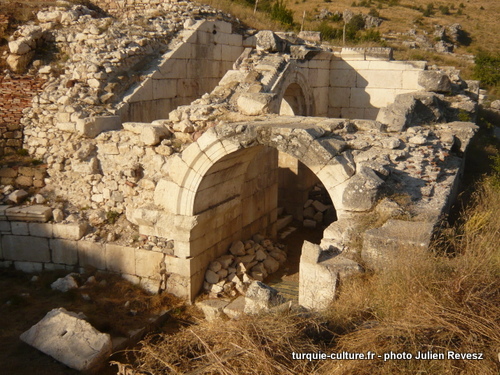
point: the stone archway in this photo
(224, 187)
(295, 97)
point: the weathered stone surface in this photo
(236, 308)
(212, 308)
(69, 339)
(434, 80)
(253, 104)
(17, 196)
(261, 297)
(63, 284)
(269, 41)
(395, 240)
(237, 248)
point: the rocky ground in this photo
(111, 304)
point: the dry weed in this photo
(250, 345)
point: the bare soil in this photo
(113, 306)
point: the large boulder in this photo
(69, 339)
(434, 80)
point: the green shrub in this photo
(429, 10)
(356, 24)
(444, 9)
(328, 32)
(374, 12)
(487, 68)
(371, 36)
(281, 13)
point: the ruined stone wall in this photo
(35, 246)
(361, 84)
(16, 94)
(356, 83)
(193, 68)
(116, 7)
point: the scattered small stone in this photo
(17, 196)
(63, 284)
(35, 278)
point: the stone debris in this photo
(64, 284)
(261, 297)
(69, 339)
(17, 196)
(249, 260)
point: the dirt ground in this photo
(111, 304)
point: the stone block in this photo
(73, 231)
(28, 267)
(29, 213)
(5, 227)
(70, 339)
(147, 263)
(339, 96)
(153, 134)
(396, 240)
(212, 308)
(166, 195)
(236, 308)
(378, 97)
(388, 79)
(92, 126)
(120, 259)
(64, 251)
(164, 88)
(342, 78)
(92, 254)
(25, 248)
(253, 104)
(261, 297)
(19, 228)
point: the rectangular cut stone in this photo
(40, 229)
(147, 263)
(92, 254)
(92, 126)
(30, 213)
(25, 248)
(3, 208)
(339, 97)
(342, 78)
(388, 79)
(28, 267)
(19, 228)
(69, 339)
(64, 252)
(5, 227)
(120, 259)
(69, 231)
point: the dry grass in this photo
(251, 345)
(438, 303)
(446, 300)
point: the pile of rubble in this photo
(250, 260)
(318, 209)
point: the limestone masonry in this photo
(198, 132)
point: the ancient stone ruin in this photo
(199, 132)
